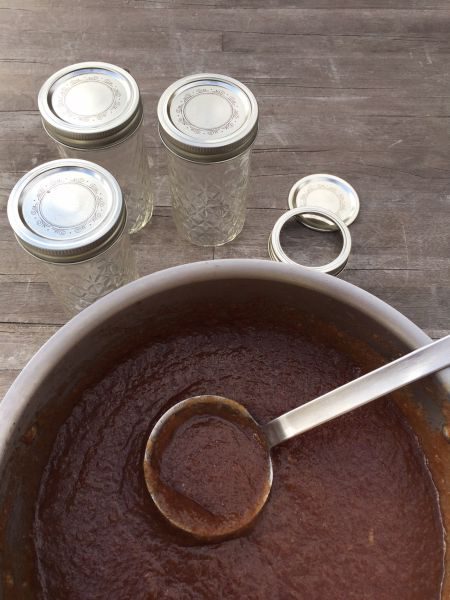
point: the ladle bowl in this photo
(181, 511)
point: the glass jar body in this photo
(77, 285)
(209, 199)
(128, 162)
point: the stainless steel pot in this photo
(42, 396)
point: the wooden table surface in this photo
(344, 87)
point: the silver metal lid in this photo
(277, 253)
(90, 105)
(325, 191)
(208, 117)
(66, 211)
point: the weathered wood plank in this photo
(133, 48)
(127, 48)
(28, 302)
(20, 342)
(329, 46)
(235, 4)
(74, 17)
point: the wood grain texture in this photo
(357, 88)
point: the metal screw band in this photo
(334, 267)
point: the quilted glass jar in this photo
(70, 215)
(208, 123)
(93, 111)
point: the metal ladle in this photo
(373, 385)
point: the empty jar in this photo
(93, 111)
(208, 124)
(70, 215)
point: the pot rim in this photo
(46, 358)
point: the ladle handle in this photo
(371, 386)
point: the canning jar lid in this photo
(90, 105)
(324, 191)
(67, 211)
(208, 117)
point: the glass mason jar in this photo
(93, 111)
(208, 123)
(70, 215)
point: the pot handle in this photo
(386, 379)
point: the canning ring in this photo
(334, 267)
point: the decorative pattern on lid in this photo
(66, 210)
(47, 216)
(89, 98)
(210, 111)
(208, 117)
(90, 105)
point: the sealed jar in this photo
(208, 123)
(93, 111)
(70, 215)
